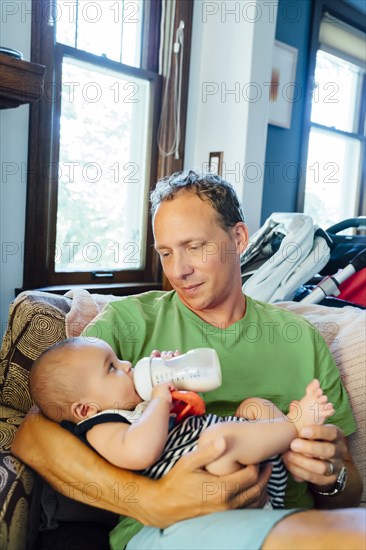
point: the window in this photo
(93, 152)
(336, 147)
(103, 169)
(109, 28)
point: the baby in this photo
(82, 384)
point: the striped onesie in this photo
(182, 438)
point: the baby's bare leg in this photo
(256, 408)
(268, 431)
(253, 409)
(248, 442)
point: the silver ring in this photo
(330, 471)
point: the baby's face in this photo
(108, 381)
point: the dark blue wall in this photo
(283, 151)
(282, 165)
(358, 4)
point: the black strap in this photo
(80, 429)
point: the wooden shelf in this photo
(21, 82)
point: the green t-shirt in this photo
(270, 353)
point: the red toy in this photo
(187, 403)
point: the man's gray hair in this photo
(207, 186)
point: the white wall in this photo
(15, 33)
(231, 61)
(231, 49)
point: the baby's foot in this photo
(313, 408)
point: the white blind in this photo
(343, 40)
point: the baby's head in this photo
(79, 377)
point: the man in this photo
(200, 234)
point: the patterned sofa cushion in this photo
(36, 321)
(17, 487)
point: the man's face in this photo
(200, 259)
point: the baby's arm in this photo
(138, 445)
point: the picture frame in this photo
(283, 90)
(215, 162)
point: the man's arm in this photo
(186, 491)
(308, 460)
(320, 529)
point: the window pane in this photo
(132, 33)
(66, 18)
(111, 28)
(336, 98)
(332, 177)
(103, 167)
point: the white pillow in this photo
(343, 329)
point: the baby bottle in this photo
(197, 370)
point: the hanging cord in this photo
(178, 50)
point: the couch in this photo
(38, 320)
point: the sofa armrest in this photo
(36, 321)
(20, 490)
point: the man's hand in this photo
(317, 457)
(165, 354)
(188, 490)
(309, 457)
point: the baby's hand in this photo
(163, 391)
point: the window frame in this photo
(41, 204)
(351, 16)
(137, 275)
